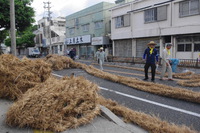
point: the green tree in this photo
(3, 35)
(8, 42)
(27, 39)
(24, 39)
(24, 14)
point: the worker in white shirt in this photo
(166, 55)
(101, 57)
(96, 55)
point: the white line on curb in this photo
(147, 101)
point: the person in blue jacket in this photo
(72, 53)
(151, 58)
(174, 63)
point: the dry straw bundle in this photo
(159, 89)
(17, 76)
(150, 123)
(124, 67)
(98, 73)
(186, 75)
(193, 81)
(190, 83)
(59, 62)
(56, 105)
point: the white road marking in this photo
(147, 101)
(60, 76)
(152, 102)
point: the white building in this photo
(136, 23)
(51, 42)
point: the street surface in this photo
(172, 110)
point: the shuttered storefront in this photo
(123, 48)
(141, 45)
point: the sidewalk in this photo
(106, 123)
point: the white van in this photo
(33, 52)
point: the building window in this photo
(60, 47)
(122, 21)
(85, 27)
(76, 22)
(197, 47)
(61, 23)
(180, 47)
(197, 43)
(150, 15)
(119, 22)
(188, 43)
(42, 24)
(71, 31)
(184, 44)
(98, 24)
(155, 14)
(184, 48)
(188, 47)
(51, 22)
(189, 7)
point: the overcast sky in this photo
(63, 7)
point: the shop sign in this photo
(100, 40)
(78, 40)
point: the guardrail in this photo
(189, 63)
(138, 60)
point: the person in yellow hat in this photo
(151, 58)
(101, 57)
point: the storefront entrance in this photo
(86, 52)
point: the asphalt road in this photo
(172, 110)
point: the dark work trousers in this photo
(153, 70)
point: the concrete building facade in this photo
(50, 35)
(89, 29)
(135, 23)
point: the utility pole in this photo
(49, 20)
(12, 27)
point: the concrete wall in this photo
(173, 26)
(90, 15)
(123, 32)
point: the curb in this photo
(112, 117)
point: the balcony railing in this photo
(55, 40)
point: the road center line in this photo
(145, 100)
